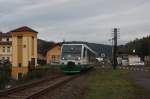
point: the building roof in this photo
(5, 34)
(23, 29)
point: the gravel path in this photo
(72, 90)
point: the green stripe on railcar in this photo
(74, 69)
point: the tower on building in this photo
(24, 51)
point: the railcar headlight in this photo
(63, 58)
(79, 58)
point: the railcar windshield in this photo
(71, 52)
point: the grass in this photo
(110, 84)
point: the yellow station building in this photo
(23, 50)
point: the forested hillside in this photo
(141, 46)
(43, 46)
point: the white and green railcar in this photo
(76, 58)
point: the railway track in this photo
(34, 90)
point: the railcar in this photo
(76, 58)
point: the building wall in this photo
(23, 52)
(14, 52)
(5, 39)
(5, 49)
(147, 60)
(7, 53)
(54, 52)
(133, 59)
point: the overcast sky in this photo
(84, 20)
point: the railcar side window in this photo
(84, 51)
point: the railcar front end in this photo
(75, 58)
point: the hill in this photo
(141, 46)
(43, 46)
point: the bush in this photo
(37, 73)
(5, 73)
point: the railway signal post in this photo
(115, 48)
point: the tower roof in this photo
(24, 29)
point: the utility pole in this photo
(115, 48)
